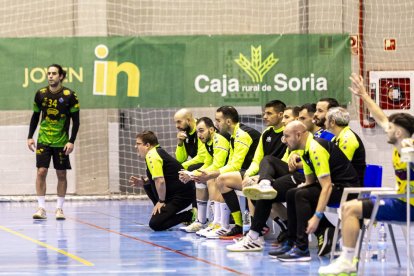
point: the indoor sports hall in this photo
(133, 64)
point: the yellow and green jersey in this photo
(400, 169)
(243, 143)
(217, 153)
(270, 143)
(192, 147)
(323, 158)
(56, 109)
(161, 164)
(351, 145)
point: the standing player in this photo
(58, 105)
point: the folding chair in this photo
(379, 195)
(372, 182)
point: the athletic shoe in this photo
(215, 234)
(338, 266)
(295, 255)
(281, 238)
(193, 227)
(260, 191)
(40, 213)
(325, 241)
(247, 244)
(280, 250)
(234, 233)
(59, 214)
(209, 228)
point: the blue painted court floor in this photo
(113, 238)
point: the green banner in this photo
(179, 71)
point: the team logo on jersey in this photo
(66, 92)
(60, 100)
(269, 139)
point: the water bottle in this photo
(382, 243)
(246, 221)
(367, 245)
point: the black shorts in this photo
(45, 153)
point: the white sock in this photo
(225, 215)
(253, 235)
(264, 182)
(41, 201)
(217, 212)
(201, 211)
(348, 253)
(60, 201)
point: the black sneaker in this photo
(282, 249)
(234, 233)
(325, 241)
(281, 238)
(295, 255)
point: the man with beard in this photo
(188, 145)
(319, 118)
(217, 147)
(399, 128)
(243, 143)
(57, 105)
(270, 143)
(327, 172)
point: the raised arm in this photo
(359, 90)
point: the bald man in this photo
(188, 144)
(327, 172)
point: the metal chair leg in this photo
(394, 244)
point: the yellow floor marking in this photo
(83, 261)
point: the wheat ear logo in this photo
(255, 68)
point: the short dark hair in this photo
(404, 120)
(207, 121)
(148, 137)
(295, 109)
(229, 112)
(60, 70)
(277, 105)
(310, 107)
(331, 102)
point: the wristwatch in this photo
(319, 215)
(161, 201)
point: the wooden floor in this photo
(113, 238)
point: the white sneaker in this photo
(260, 191)
(247, 244)
(216, 233)
(209, 228)
(59, 214)
(40, 213)
(337, 266)
(193, 227)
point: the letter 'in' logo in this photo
(106, 75)
(255, 68)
